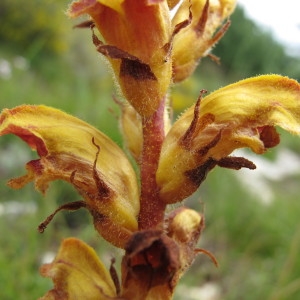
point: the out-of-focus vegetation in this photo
(33, 26)
(249, 50)
(44, 61)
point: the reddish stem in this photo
(152, 208)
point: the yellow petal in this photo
(239, 115)
(207, 17)
(74, 151)
(185, 225)
(77, 273)
(131, 125)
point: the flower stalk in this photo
(152, 208)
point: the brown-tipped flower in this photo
(239, 115)
(136, 38)
(74, 151)
(184, 226)
(197, 39)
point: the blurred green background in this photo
(252, 226)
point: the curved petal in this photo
(74, 151)
(77, 273)
(239, 115)
(207, 17)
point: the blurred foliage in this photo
(248, 50)
(34, 26)
(256, 245)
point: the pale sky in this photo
(282, 17)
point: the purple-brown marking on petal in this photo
(152, 258)
(219, 34)
(236, 163)
(192, 130)
(136, 69)
(130, 65)
(183, 24)
(199, 29)
(85, 24)
(269, 136)
(104, 192)
(71, 206)
(114, 276)
(198, 174)
(203, 150)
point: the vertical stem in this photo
(152, 208)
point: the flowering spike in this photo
(148, 51)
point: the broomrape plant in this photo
(148, 51)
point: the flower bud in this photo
(196, 40)
(185, 225)
(131, 126)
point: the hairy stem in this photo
(152, 208)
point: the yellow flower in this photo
(137, 36)
(239, 115)
(197, 39)
(76, 152)
(77, 273)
